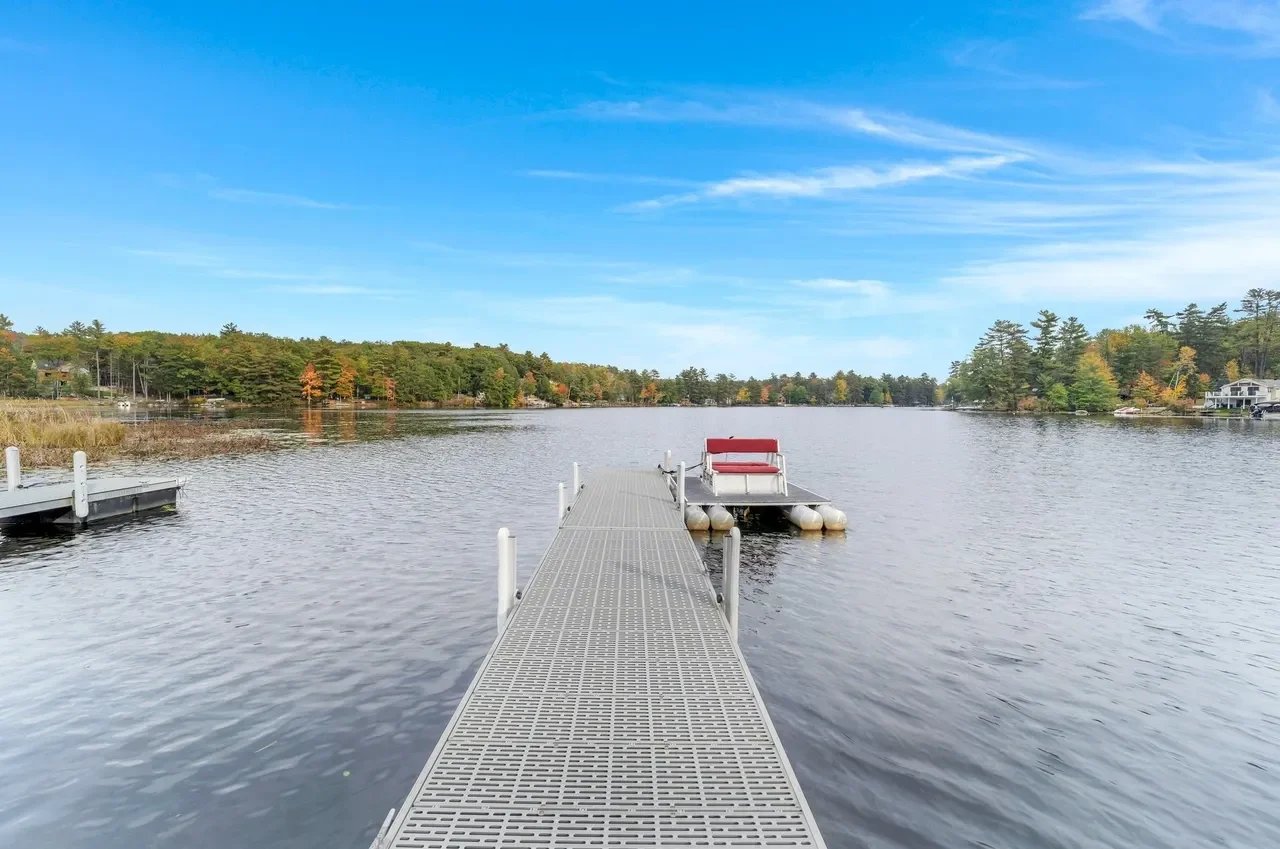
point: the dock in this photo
(697, 492)
(614, 708)
(82, 499)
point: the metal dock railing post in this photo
(666, 461)
(680, 488)
(563, 506)
(732, 561)
(506, 576)
(80, 476)
(13, 467)
(577, 480)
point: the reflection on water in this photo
(1037, 632)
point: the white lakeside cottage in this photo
(1244, 392)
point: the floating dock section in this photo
(82, 499)
(614, 709)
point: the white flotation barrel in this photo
(721, 519)
(695, 519)
(804, 518)
(832, 519)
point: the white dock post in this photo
(13, 467)
(680, 487)
(80, 476)
(577, 480)
(666, 461)
(506, 576)
(563, 507)
(732, 560)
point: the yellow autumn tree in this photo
(312, 383)
(345, 387)
(1146, 389)
(840, 394)
(1232, 370)
(743, 396)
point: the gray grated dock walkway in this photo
(615, 709)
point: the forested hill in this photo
(257, 368)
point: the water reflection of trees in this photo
(313, 423)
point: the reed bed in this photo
(48, 434)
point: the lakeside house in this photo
(1244, 392)
(61, 372)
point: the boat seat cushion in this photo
(732, 445)
(737, 468)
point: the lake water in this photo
(1037, 633)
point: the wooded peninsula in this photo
(1170, 362)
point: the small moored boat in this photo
(1270, 410)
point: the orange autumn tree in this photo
(649, 394)
(765, 390)
(345, 388)
(389, 390)
(312, 383)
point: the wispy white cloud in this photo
(212, 187)
(253, 196)
(334, 289)
(233, 266)
(592, 177)
(996, 59)
(827, 181)
(762, 111)
(756, 340)
(1138, 12)
(1268, 106)
(1244, 26)
(1215, 261)
(869, 288)
(9, 44)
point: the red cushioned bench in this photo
(741, 476)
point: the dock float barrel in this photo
(721, 519)
(832, 519)
(13, 467)
(695, 519)
(805, 518)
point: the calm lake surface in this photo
(1037, 632)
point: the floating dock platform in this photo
(697, 492)
(615, 708)
(82, 499)
(731, 486)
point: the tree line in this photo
(257, 368)
(1169, 362)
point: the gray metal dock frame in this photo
(614, 709)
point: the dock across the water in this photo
(614, 708)
(82, 499)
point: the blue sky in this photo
(749, 188)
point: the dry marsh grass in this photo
(48, 434)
